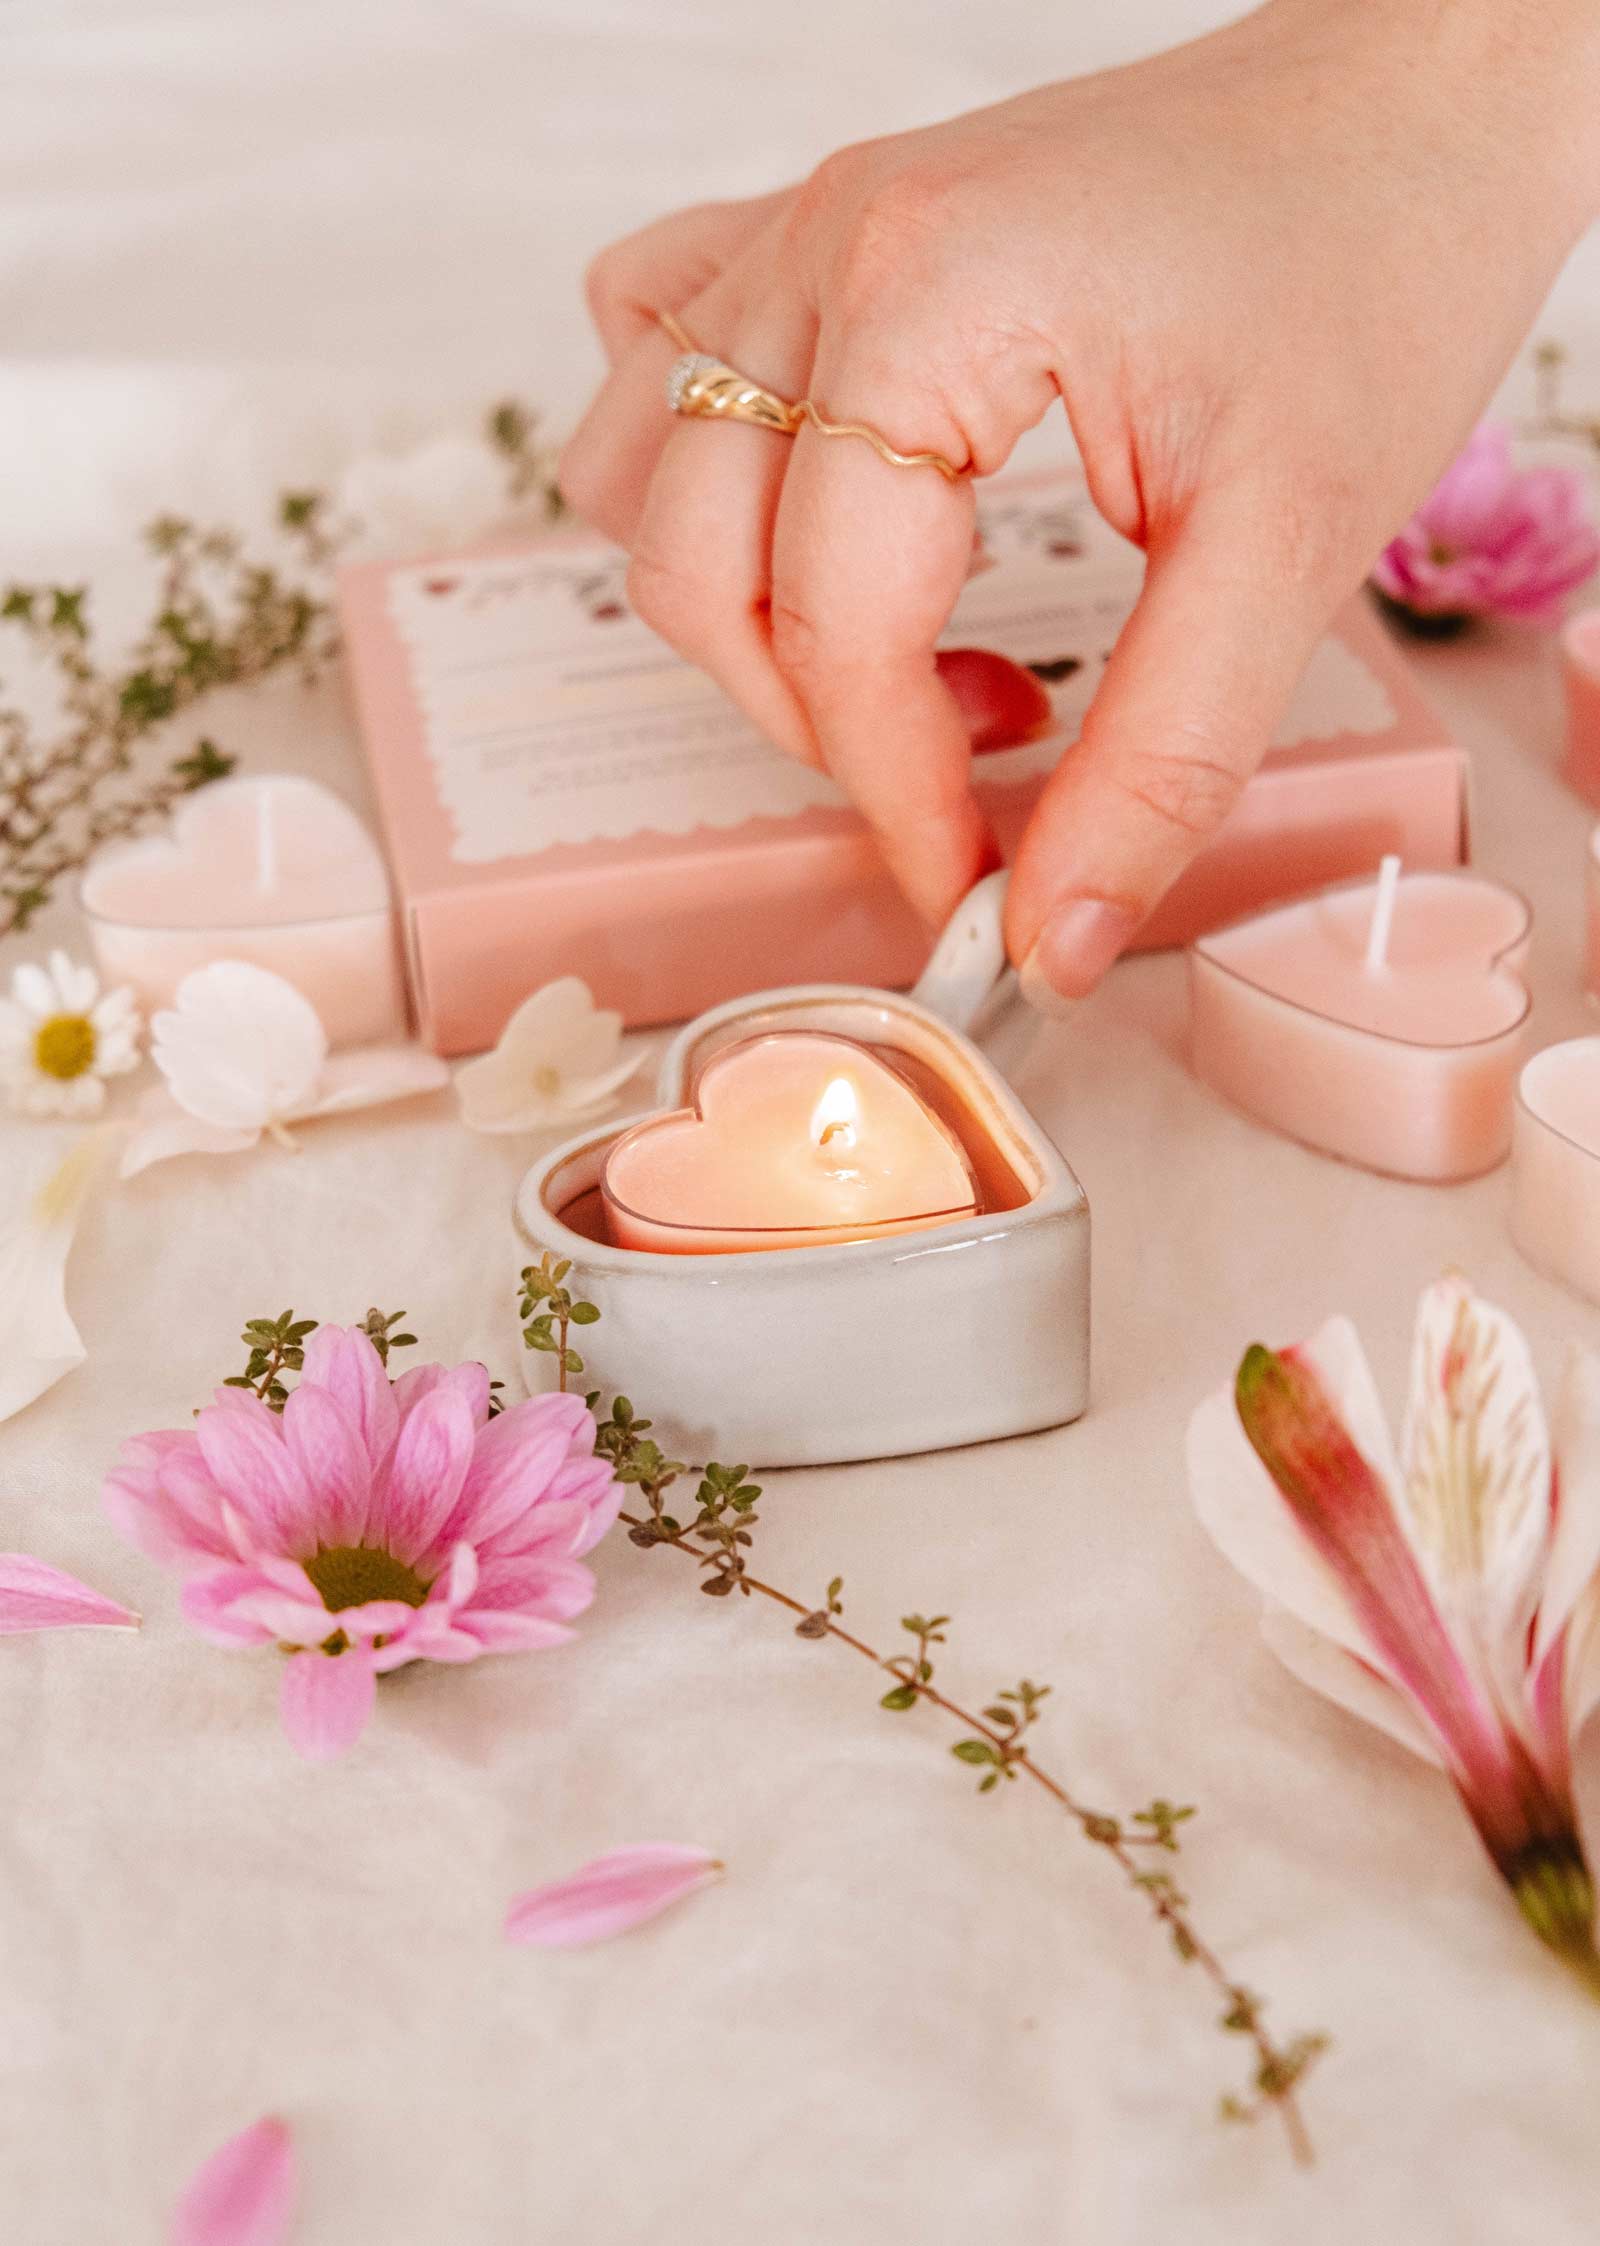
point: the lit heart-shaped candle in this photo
(276, 871)
(1555, 1164)
(796, 1139)
(1382, 1022)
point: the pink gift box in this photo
(559, 794)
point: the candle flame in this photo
(833, 1119)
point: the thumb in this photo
(1196, 683)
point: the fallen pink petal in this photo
(244, 2194)
(36, 1596)
(610, 1895)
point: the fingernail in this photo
(1071, 952)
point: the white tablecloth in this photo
(233, 243)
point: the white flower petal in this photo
(33, 988)
(78, 987)
(240, 1047)
(1476, 1483)
(370, 1075)
(1574, 1554)
(1340, 1677)
(38, 1340)
(557, 1060)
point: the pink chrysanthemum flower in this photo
(370, 1524)
(1491, 539)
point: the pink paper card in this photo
(560, 794)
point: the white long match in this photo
(1382, 927)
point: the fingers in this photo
(1198, 680)
(702, 548)
(867, 562)
(607, 463)
(662, 266)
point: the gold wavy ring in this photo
(700, 385)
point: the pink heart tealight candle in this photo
(1555, 1164)
(1382, 1021)
(276, 871)
(796, 1139)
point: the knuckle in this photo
(1188, 791)
(832, 188)
(896, 222)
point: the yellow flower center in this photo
(348, 1575)
(547, 1081)
(64, 1046)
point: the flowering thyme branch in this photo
(718, 1540)
(221, 618)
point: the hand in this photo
(1273, 276)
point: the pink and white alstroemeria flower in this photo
(1446, 1593)
(371, 1524)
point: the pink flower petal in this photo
(244, 2194)
(36, 1596)
(246, 1456)
(326, 1700)
(209, 1603)
(554, 1588)
(609, 1895)
(331, 1454)
(343, 1360)
(469, 1380)
(514, 1460)
(426, 1471)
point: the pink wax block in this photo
(1580, 673)
(560, 794)
(274, 870)
(1407, 1066)
(1555, 1164)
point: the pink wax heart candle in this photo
(796, 1139)
(276, 871)
(1382, 1021)
(1555, 1164)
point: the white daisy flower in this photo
(60, 1039)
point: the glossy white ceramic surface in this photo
(865, 1349)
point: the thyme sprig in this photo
(718, 1537)
(995, 1740)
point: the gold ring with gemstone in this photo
(706, 387)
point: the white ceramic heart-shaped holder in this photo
(1555, 1164)
(866, 1348)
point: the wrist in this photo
(1513, 85)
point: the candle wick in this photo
(840, 1131)
(1382, 925)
